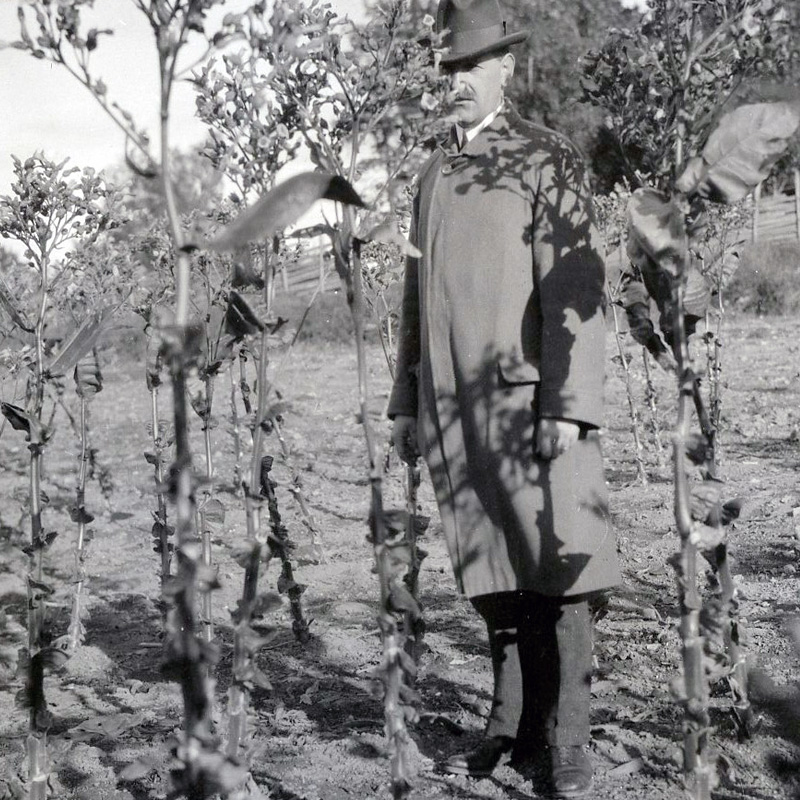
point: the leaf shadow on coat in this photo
(521, 521)
(563, 316)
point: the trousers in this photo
(541, 651)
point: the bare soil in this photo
(318, 735)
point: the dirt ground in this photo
(319, 734)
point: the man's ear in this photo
(507, 68)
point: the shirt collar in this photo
(464, 137)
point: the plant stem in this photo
(392, 671)
(243, 654)
(651, 397)
(697, 762)
(187, 655)
(641, 472)
(737, 680)
(280, 544)
(237, 438)
(39, 718)
(297, 492)
(413, 628)
(76, 629)
(205, 530)
(243, 384)
(161, 530)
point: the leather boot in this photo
(571, 774)
(481, 760)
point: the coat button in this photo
(447, 169)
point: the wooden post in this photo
(756, 200)
(285, 277)
(321, 259)
(797, 201)
(530, 75)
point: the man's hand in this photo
(555, 436)
(404, 436)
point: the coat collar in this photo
(498, 128)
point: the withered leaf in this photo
(240, 319)
(282, 206)
(80, 515)
(81, 342)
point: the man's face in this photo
(477, 86)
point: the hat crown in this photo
(462, 17)
(472, 28)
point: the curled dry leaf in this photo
(214, 512)
(740, 152)
(20, 420)
(240, 319)
(87, 376)
(656, 231)
(282, 206)
(81, 342)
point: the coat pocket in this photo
(516, 372)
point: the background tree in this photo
(669, 80)
(547, 87)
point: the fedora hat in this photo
(473, 28)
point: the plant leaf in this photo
(282, 206)
(20, 420)
(17, 316)
(87, 375)
(741, 151)
(110, 725)
(389, 233)
(81, 342)
(240, 319)
(656, 230)
(214, 512)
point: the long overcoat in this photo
(503, 323)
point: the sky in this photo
(46, 109)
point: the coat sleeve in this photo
(570, 283)
(404, 398)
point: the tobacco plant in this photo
(262, 221)
(198, 770)
(341, 87)
(88, 382)
(668, 89)
(50, 205)
(739, 153)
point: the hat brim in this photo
(453, 57)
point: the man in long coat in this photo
(499, 384)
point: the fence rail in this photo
(311, 272)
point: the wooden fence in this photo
(777, 217)
(311, 272)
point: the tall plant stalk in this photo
(245, 642)
(296, 490)
(88, 382)
(413, 622)
(651, 397)
(633, 412)
(395, 600)
(280, 544)
(698, 764)
(162, 532)
(40, 718)
(235, 432)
